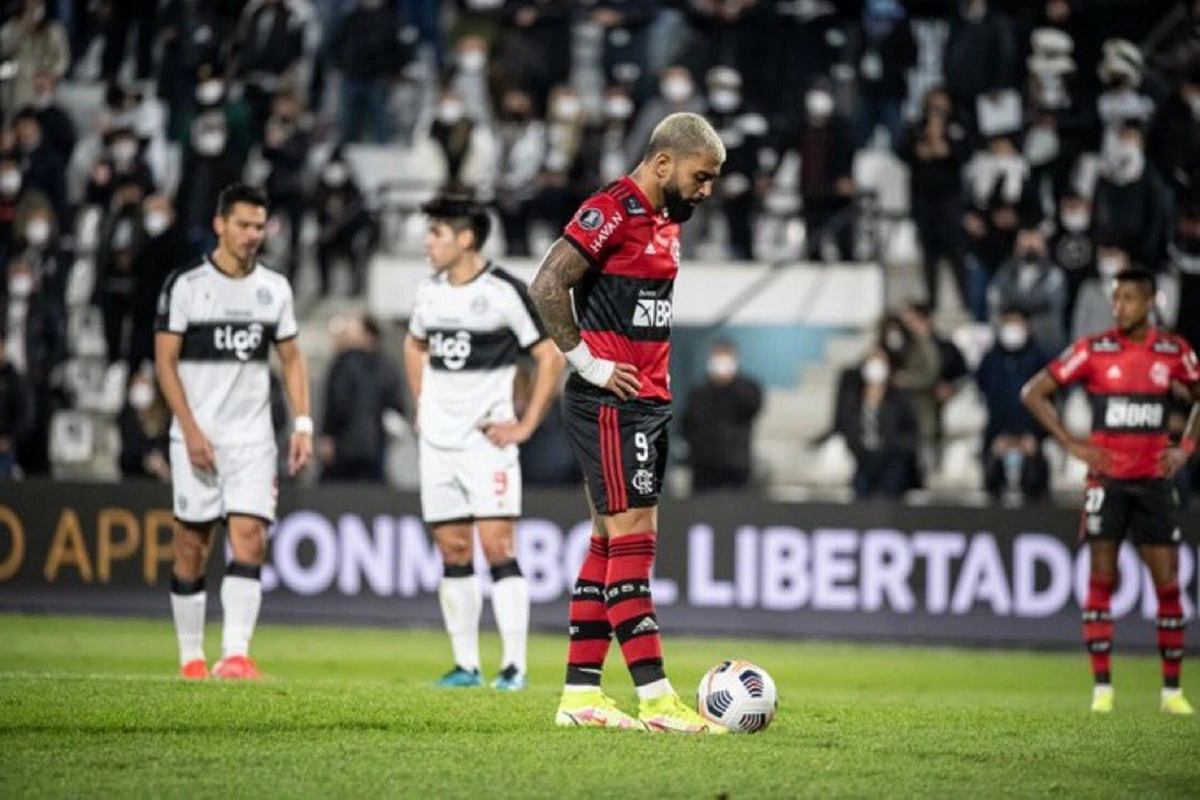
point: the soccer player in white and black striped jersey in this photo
(217, 321)
(470, 322)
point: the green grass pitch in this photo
(88, 707)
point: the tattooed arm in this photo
(561, 269)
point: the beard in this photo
(678, 209)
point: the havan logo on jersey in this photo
(452, 350)
(606, 230)
(1133, 413)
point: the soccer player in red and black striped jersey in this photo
(619, 255)
(1129, 373)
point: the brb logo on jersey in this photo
(452, 350)
(242, 342)
(1123, 413)
(652, 313)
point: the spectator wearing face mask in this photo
(1185, 262)
(743, 129)
(721, 32)
(462, 140)
(286, 141)
(825, 144)
(268, 46)
(40, 245)
(1173, 142)
(1012, 439)
(886, 51)
(216, 144)
(981, 54)
(1071, 245)
(16, 414)
(57, 127)
(369, 50)
(121, 238)
(1121, 100)
(42, 166)
(1093, 307)
(345, 227)
(676, 92)
(876, 420)
(144, 424)
(935, 149)
(16, 203)
(126, 160)
(164, 249)
(521, 142)
(718, 422)
(35, 341)
(626, 26)
(606, 148)
(1031, 283)
(1131, 200)
(37, 44)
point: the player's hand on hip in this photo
(1097, 459)
(624, 382)
(199, 450)
(1171, 460)
(300, 452)
(502, 434)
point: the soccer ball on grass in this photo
(738, 695)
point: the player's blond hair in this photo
(684, 134)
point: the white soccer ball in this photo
(738, 695)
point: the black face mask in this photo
(678, 209)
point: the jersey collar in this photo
(632, 186)
(208, 258)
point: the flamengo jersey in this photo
(475, 332)
(228, 325)
(624, 305)
(1129, 384)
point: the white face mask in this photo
(567, 109)
(37, 232)
(335, 174)
(156, 222)
(676, 90)
(1013, 335)
(818, 103)
(724, 100)
(210, 92)
(210, 143)
(1076, 221)
(618, 107)
(124, 150)
(722, 366)
(141, 396)
(1041, 146)
(875, 371)
(450, 112)
(20, 285)
(472, 60)
(1109, 266)
(1125, 162)
(10, 181)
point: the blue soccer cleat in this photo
(459, 678)
(510, 679)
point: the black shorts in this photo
(622, 447)
(1147, 511)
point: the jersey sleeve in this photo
(171, 313)
(1187, 369)
(286, 326)
(597, 228)
(1073, 364)
(416, 322)
(524, 319)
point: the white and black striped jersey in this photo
(475, 331)
(228, 326)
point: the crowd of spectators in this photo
(1049, 144)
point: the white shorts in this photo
(243, 483)
(479, 482)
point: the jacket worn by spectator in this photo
(717, 425)
(361, 385)
(1000, 376)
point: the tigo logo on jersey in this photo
(243, 342)
(1121, 413)
(652, 314)
(452, 350)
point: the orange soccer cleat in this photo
(236, 668)
(195, 670)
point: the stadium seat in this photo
(965, 414)
(85, 333)
(95, 385)
(83, 447)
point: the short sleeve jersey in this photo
(1129, 384)
(475, 331)
(228, 325)
(623, 304)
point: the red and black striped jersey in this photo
(1129, 384)
(623, 304)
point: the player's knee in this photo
(248, 538)
(454, 552)
(498, 551)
